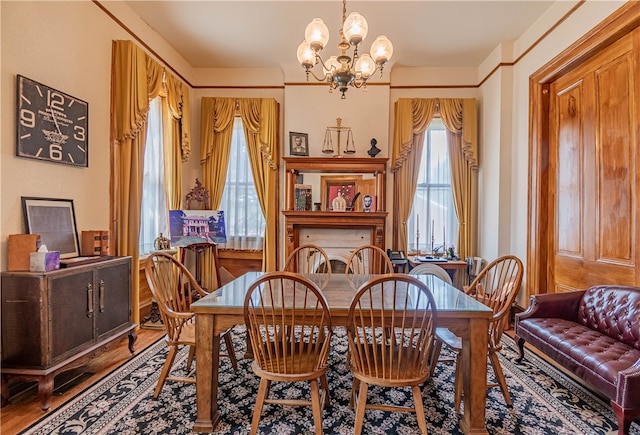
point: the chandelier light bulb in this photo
(381, 50)
(331, 66)
(316, 34)
(306, 55)
(365, 66)
(355, 28)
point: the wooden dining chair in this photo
(390, 329)
(289, 324)
(432, 269)
(496, 286)
(174, 287)
(308, 258)
(368, 259)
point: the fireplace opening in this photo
(338, 266)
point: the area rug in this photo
(545, 401)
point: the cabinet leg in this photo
(133, 336)
(4, 388)
(45, 391)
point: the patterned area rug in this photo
(544, 401)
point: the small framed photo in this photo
(298, 144)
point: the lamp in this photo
(343, 71)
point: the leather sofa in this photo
(595, 334)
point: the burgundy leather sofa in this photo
(595, 334)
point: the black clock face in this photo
(52, 125)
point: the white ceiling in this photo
(265, 34)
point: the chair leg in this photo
(192, 354)
(417, 399)
(316, 406)
(360, 408)
(458, 385)
(497, 370)
(325, 387)
(166, 368)
(257, 411)
(354, 389)
(232, 354)
(435, 355)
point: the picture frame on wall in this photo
(298, 144)
(55, 220)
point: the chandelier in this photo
(343, 70)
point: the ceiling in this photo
(265, 34)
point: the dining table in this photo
(462, 314)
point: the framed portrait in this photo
(55, 221)
(298, 144)
(335, 186)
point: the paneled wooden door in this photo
(594, 164)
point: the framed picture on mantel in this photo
(338, 186)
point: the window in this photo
(153, 213)
(242, 213)
(433, 214)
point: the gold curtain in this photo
(136, 79)
(260, 119)
(412, 117)
(216, 128)
(177, 138)
(460, 119)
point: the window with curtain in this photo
(433, 215)
(243, 216)
(153, 217)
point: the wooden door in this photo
(594, 179)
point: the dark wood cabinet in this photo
(54, 321)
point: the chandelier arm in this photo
(310, 71)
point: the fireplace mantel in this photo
(374, 222)
(369, 226)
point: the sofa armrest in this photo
(628, 393)
(557, 305)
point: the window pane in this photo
(433, 222)
(243, 215)
(153, 213)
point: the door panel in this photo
(593, 156)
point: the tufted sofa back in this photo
(614, 311)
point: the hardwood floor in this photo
(24, 406)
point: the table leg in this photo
(208, 362)
(474, 363)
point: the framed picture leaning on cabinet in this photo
(55, 220)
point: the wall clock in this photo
(52, 125)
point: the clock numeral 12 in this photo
(55, 100)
